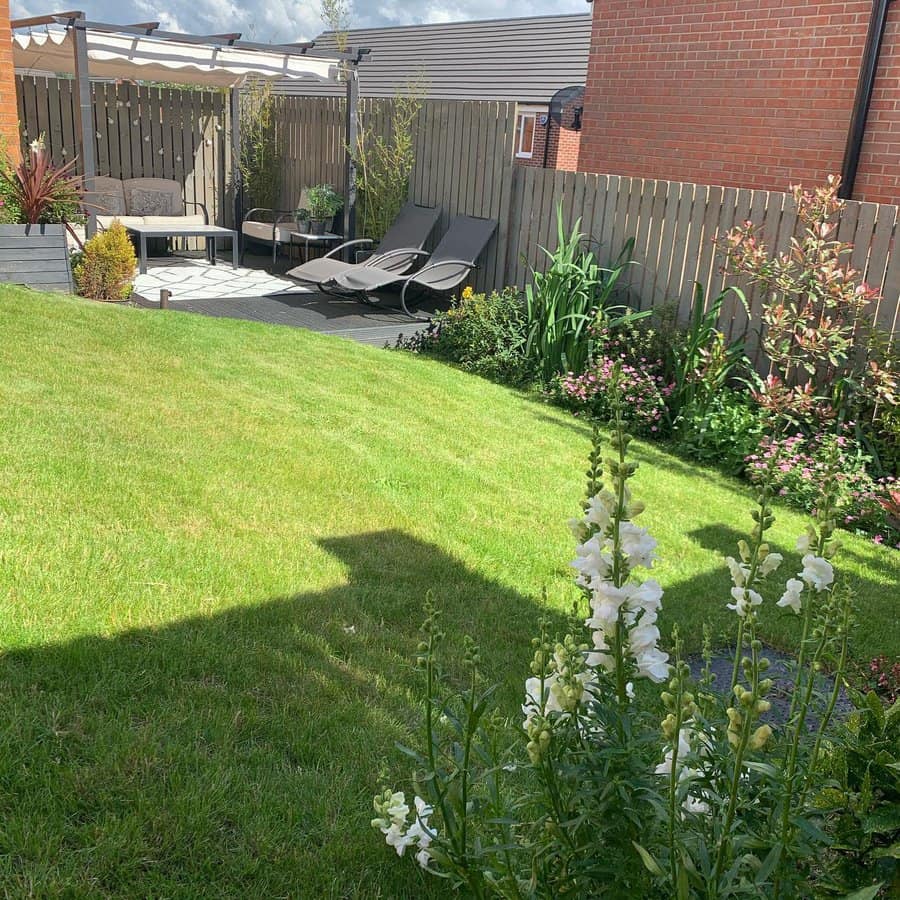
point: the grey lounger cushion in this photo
(450, 262)
(409, 231)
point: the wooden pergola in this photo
(85, 48)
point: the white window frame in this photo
(526, 112)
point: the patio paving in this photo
(251, 293)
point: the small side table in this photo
(305, 241)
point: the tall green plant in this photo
(260, 161)
(384, 165)
(705, 360)
(562, 302)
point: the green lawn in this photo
(215, 541)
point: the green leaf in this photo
(892, 852)
(650, 863)
(866, 893)
(684, 888)
(769, 863)
(876, 707)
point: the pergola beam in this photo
(84, 120)
(49, 19)
(299, 49)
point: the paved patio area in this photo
(251, 293)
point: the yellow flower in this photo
(467, 292)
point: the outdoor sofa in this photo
(143, 201)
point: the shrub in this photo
(796, 465)
(723, 431)
(814, 310)
(594, 392)
(483, 334)
(105, 269)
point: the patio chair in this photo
(396, 252)
(451, 261)
(262, 225)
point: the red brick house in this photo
(9, 115)
(521, 60)
(755, 94)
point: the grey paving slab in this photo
(302, 308)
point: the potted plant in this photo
(38, 202)
(324, 203)
(301, 218)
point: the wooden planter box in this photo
(36, 256)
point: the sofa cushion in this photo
(153, 197)
(107, 196)
(175, 221)
(105, 221)
(262, 231)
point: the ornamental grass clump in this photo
(632, 775)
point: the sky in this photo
(293, 20)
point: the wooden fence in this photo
(140, 132)
(464, 164)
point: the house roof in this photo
(522, 60)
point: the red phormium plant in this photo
(43, 192)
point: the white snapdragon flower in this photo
(394, 828)
(534, 704)
(803, 543)
(691, 804)
(398, 809)
(739, 571)
(695, 805)
(817, 572)
(606, 601)
(684, 748)
(653, 663)
(744, 600)
(637, 544)
(600, 509)
(792, 596)
(397, 838)
(643, 637)
(592, 560)
(647, 598)
(770, 563)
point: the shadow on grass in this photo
(236, 754)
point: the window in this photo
(525, 126)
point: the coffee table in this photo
(306, 240)
(210, 232)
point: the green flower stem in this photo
(740, 750)
(464, 779)
(836, 689)
(791, 768)
(620, 570)
(673, 774)
(738, 653)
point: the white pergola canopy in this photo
(120, 55)
(142, 52)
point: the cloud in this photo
(296, 20)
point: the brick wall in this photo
(750, 94)
(562, 145)
(9, 116)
